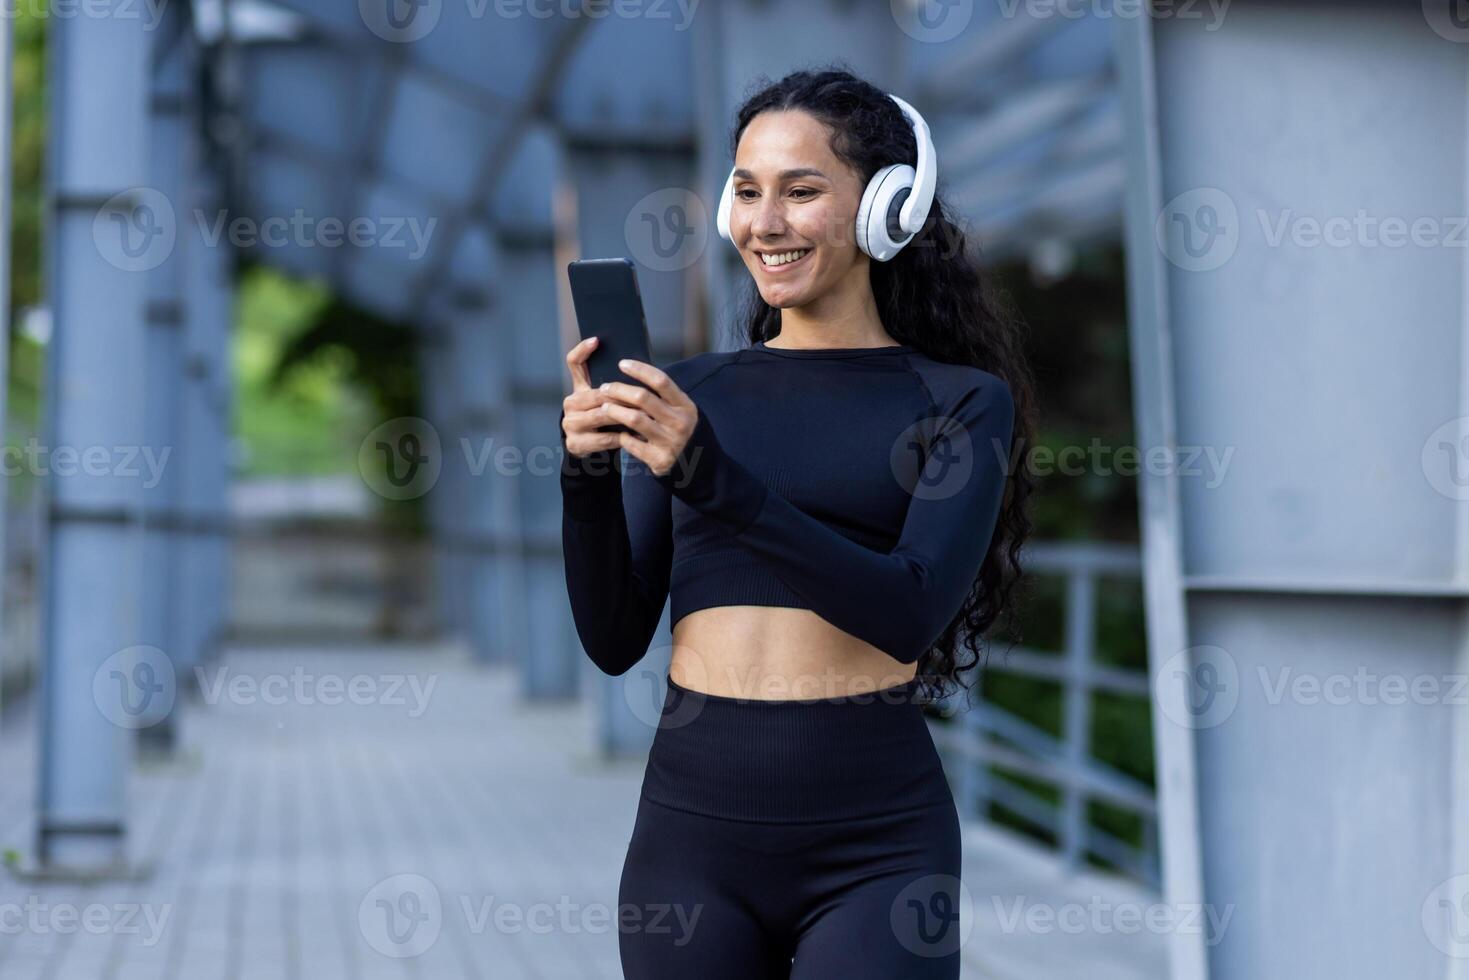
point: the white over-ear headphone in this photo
(894, 205)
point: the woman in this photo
(834, 513)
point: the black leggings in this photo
(804, 839)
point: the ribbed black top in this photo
(861, 483)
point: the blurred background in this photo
(289, 685)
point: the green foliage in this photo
(295, 426)
(315, 375)
(378, 356)
(1078, 348)
(27, 152)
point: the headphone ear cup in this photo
(878, 234)
(726, 201)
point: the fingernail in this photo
(623, 363)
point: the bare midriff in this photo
(776, 653)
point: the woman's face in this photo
(792, 195)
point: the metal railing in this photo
(987, 736)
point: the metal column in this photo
(171, 134)
(479, 375)
(104, 228)
(1297, 279)
(205, 434)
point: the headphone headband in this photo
(915, 209)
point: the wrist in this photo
(591, 484)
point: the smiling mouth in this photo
(779, 261)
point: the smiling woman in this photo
(833, 511)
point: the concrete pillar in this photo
(1296, 278)
(104, 229)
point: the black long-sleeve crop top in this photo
(863, 484)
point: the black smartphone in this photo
(610, 307)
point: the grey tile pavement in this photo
(293, 838)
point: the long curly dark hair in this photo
(932, 296)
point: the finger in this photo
(580, 410)
(650, 455)
(589, 418)
(594, 441)
(656, 379)
(636, 396)
(576, 363)
(643, 424)
(583, 431)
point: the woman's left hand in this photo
(661, 416)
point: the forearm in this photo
(615, 610)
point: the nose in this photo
(768, 217)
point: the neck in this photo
(843, 316)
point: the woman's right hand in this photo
(585, 408)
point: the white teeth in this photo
(783, 257)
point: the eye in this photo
(741, 193)
(804, 190)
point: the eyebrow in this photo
(742, 174)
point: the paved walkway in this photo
(282, 832)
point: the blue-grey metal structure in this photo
(171, 139)
(1297, 289)
(102, 227)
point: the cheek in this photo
(829, 226)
